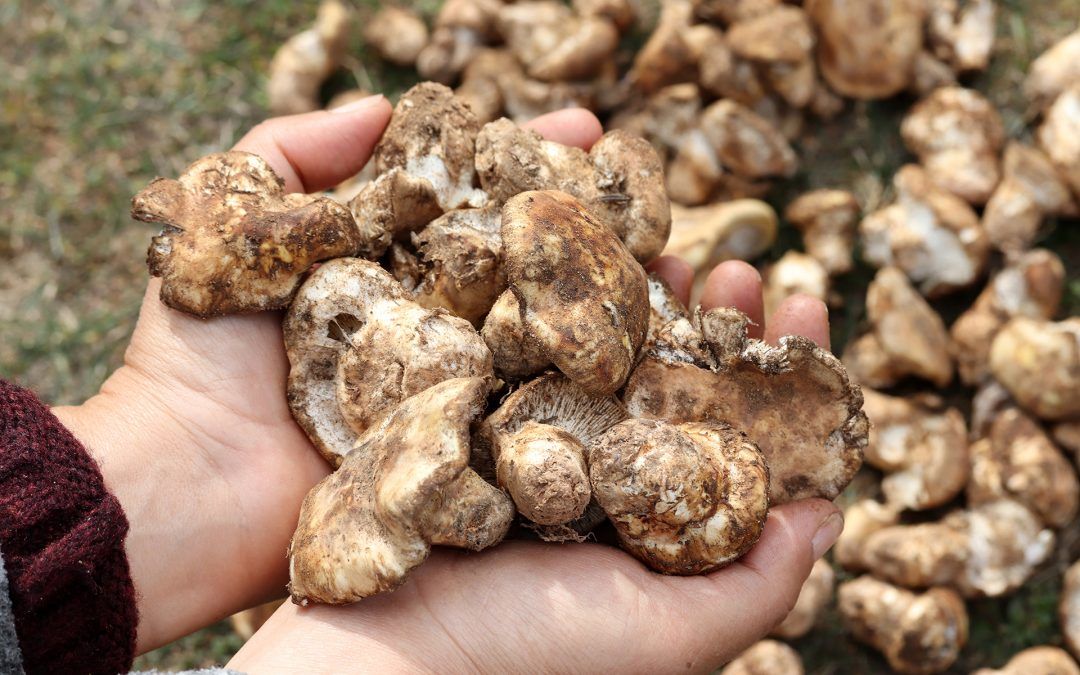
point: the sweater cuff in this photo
(62, 536)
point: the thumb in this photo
(727, 611)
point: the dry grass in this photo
(99, 96)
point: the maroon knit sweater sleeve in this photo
(62, 537)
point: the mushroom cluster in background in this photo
(443, 354)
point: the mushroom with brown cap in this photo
(1059, 136)
(766, 657)
(517, 354)
(782, 34)
(923, 452)
(862, 519)
(397, 34)
(1069, 608)
(916, 632)
(232, 240)
(461, 28)
(962, 33)
(816, 593)
(1039, 363)
(988, 550)
(684, 498)
(957, 135)
(792, 274)
(1030, 190)
(746, 143)
(306, 59)
(1036, 661)
(706, 235)
(907, 336)
(481, 87)
(406, 487)
(867, 49)
(537, 440)
(424, 164)
(793, 400)
(1054, 71)
(621, 13)
(727, 12)
(357, 346)
(1030, 285)
(1018, 460)
(620, 181)
(667, 57)
(827, 219)
(931, 234)
(589, 323)
(555, 43)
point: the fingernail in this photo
(827, 533)
(359, 104)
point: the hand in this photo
(193, 433)
(533, 607)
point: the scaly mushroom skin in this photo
(827, 219)
(685, 499)
(924, 453)
(793, 400)
(907, 338)
(815, 595)
(1036, 661)
(397, 35)
(357, 346)
(767, 657)
(591, 323)
(302, 64)
(1039, 363)
(989, 550)
(1018, 461)
(1030, 189)
(917, 633)
(704, 236)
(1054, 71)
(405, 487)
(232, 240)
(537, 440)
(957, 135)
(1069, 608)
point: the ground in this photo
(99, 96)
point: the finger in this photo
(677, 273)
(800, 315)
(743, 602)
(736, 284)
(318, 150)
(574, 126)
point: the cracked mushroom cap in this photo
(406, 487)
(867, 49)
(232, 241)
(930, 233)
(862, 519)
(827, 219)
(1017, 460)
(1037, 660)
(793, 400)
(397, 35)
(1069, 608)
(357, 346)
(704, 236)
(1030, 189)
(591, 322)
(766, 657)
(923, 453)
(620, 180)
(1056, 69)
(907, 337)
(685, 498)
(538, 438)
(1059, 136)
(1039, 363)
(916, 632)
(792, 274)
(816, 593)
(957, 135)
(988, 550)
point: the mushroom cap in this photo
(685, 499)
(1054, 71)
(924, 453)
(407, 486)
(794, 400)
(622, 13)
(861, 519)
(397, 34)
(766, 657)
(1047, 660)
(963, 36)
(706, 235)
(782, 34)
(232, 241)
(1059, 136)
(1039, 363)
(1017, 460)
(592, 321)
(792, 274)
(867, 49)
(827, 219)
(1030, 189)
(728, 12)
(1069, 608)
(816, 593)
(306, 59)
(555, 43)
(389, 207)
(746, 142)
(350, 305)
(517, 354)
(666, 57)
